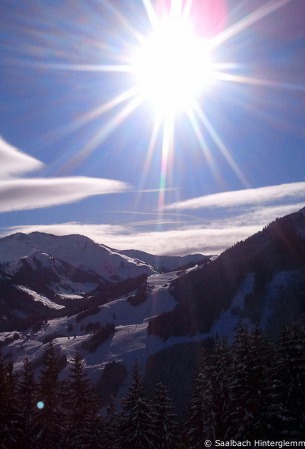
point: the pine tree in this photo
(26, 401)
(10, 417)
(200, 424)
(221, 382)
(263, 399)
(239, 415)
(165, 428)
(49, 420)
(291, 353)
(81, 407)
(136, 419)
(111, 427)
(255, 405)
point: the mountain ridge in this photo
(162, 320)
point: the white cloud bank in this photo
(247, 211)
(15, 162)
(25, 194)
(293, 191)
(210, 238)
(31, 193)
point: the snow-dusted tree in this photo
(200, 424)
(264, 402)
(111, 425)
(255, 404)
(10, 418)
(291, 353)
(240, 415)
(49, 417)
(165, 428)
(81, 407)
(221, 381)
(26, 402)
(136, 419)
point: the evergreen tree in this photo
(256, 409)
(26, 401)
(10, 417)
(200, 424)
(240, 415)
(221, 383)
(291, 353)
(165, 429)
(49, 417)
(111, 427)
(263, 402)
(81, 407)
(136, 419)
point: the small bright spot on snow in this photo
(40, 405)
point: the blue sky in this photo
(76, 150)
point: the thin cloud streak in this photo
(211, 238)
(172, 242)
(17, 193)
(15, 162)
(293, 191)
(27, 194)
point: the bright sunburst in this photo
(172, 66)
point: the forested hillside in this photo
(250, 389)
(277, 250)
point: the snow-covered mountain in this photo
(162, 320)
(55, 271)
(167, 263)
(76, 250)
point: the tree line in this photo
(250, 389)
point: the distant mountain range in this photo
(56, 272)
(116, 307)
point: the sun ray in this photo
(122, 20)
(106, 130)
(167, 149)
(221, 146)
(150, 150)
(112, 68)
(249, 20)
(259, 81)
(90, 116)
(151, 13)
(202, 141)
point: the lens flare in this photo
(40, 405)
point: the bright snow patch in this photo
(37, 297)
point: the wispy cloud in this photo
(212, 237)
(179, 241)
(176, 242)
(283, 192)
(18, 193)
(15, 162)
(232, 216)
(25, 194)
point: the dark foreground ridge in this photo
(250, 390)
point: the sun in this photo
(172, 67)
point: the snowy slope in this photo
(40, 298)
(129, 343)
(167, 263)
(49, 275)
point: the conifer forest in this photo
(252, 388)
